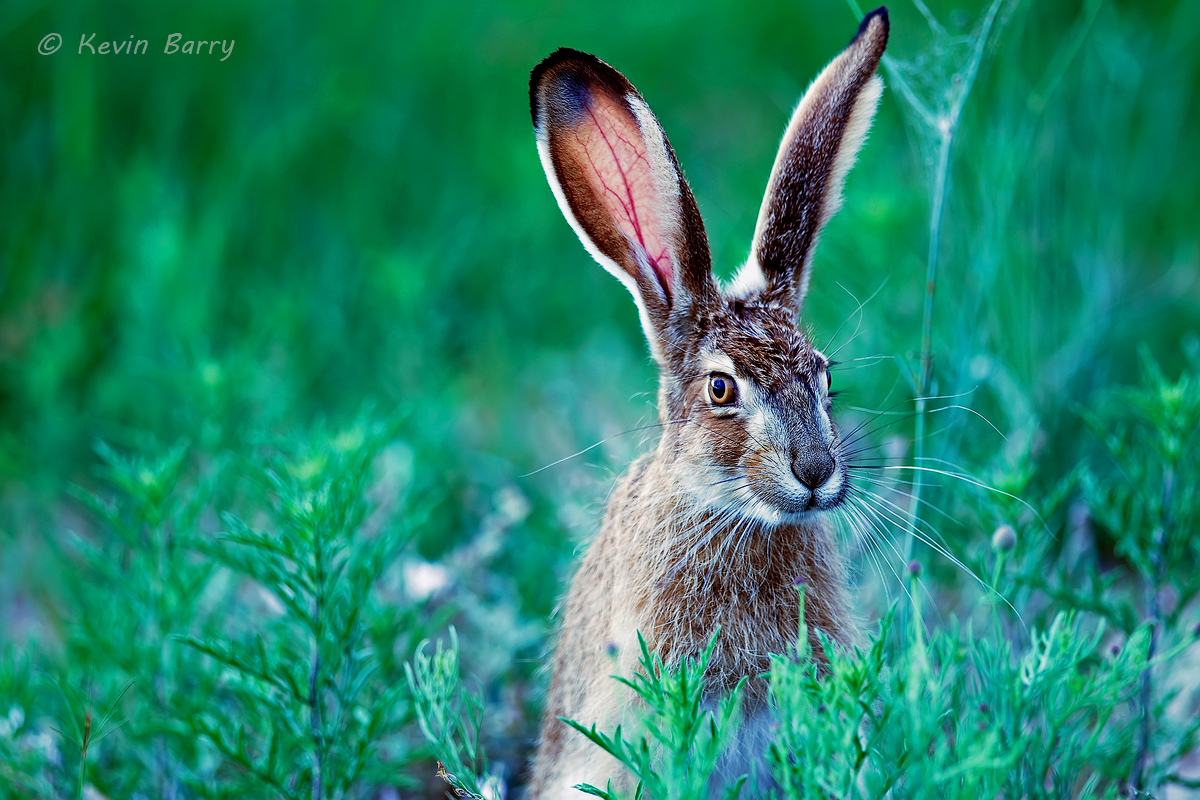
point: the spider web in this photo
(935, 82)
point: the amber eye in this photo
(722, 390)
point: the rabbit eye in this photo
(828, 379)
(722, 390)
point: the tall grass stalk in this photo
(943, 124)
(1154, 611)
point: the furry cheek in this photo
(769, 478)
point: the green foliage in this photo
(1149, 505)
(26, 757)
(958, 715)
(942, 715)
(81, 730)
(262, 660)
(677, 754)
(451, 717)
(139, 584)
(313, 707)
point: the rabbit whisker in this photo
(857, 311)
(606, 440)
(875, 538)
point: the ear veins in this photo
(619, 185)
(623, 182)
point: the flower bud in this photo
(1004, 539)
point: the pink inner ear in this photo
(613, 153)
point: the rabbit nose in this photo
(813, 466)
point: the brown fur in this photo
(674, 572)
(716, 526)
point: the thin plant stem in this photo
(925, 386)
(314, 676)
(945, 125)
(314, 702)
(1154, 609)
(87, 734)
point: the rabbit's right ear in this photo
(619, 185)
(821, 142)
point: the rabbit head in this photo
(744, 395)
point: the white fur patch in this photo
(749, 280)
(855, 135)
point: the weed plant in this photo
(260, 659)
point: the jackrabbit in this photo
(717, 525)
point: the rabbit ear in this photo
(821, 142)
(619, 185)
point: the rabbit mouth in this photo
(810, 502)
(776, 503)
(764, 492)
(785, 497)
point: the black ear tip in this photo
(880, 14)
(573, 74)
(559, 56)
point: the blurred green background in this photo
(349, 211)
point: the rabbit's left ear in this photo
(617, 181)
(822, 140)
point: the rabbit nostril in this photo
(813, 467)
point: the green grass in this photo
(330, 264)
